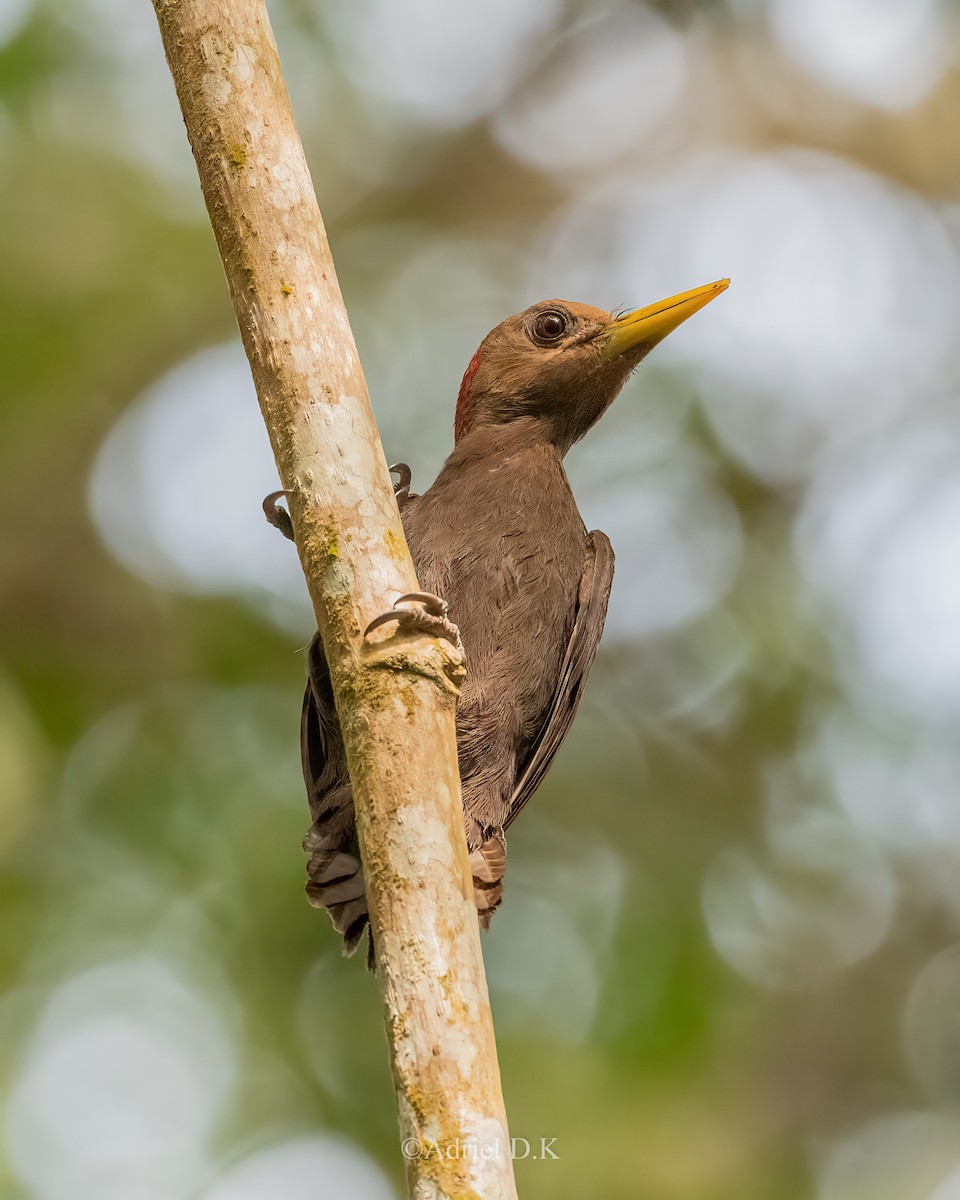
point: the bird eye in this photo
(549, 325)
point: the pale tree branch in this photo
(396, 699)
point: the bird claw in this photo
(278, 517)
(429, 619)
(401, 489)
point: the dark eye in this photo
(550, 325)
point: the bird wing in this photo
(595, 584)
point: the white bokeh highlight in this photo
(931, 1026)
(899, 1156)
(879, 540)
(583, 109)
(304, 1168)
(679, 544)
(898, 793)
(887, 53)
(14, 15)
(433, 62)
(818, 898)
(119, 1087)
(529, 952)
(176, 488)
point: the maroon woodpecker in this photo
(499, 536)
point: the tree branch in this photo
(396, 699)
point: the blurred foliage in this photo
(728, 964)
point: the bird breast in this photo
(502, 541)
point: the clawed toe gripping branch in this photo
(278, 516)
(428, 618)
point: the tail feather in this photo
(488, 865)
(350, 920)
(335, 882)
(334, 871)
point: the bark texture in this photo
(396, 696)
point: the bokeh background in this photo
(729, 961)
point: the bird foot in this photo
(428, 618)
(278, 517)
(401, 489)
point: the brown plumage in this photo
(499, 536)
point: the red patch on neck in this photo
(465, 399)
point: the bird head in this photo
(562, 364)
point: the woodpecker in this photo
(524, 584)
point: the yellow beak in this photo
(647, 326)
